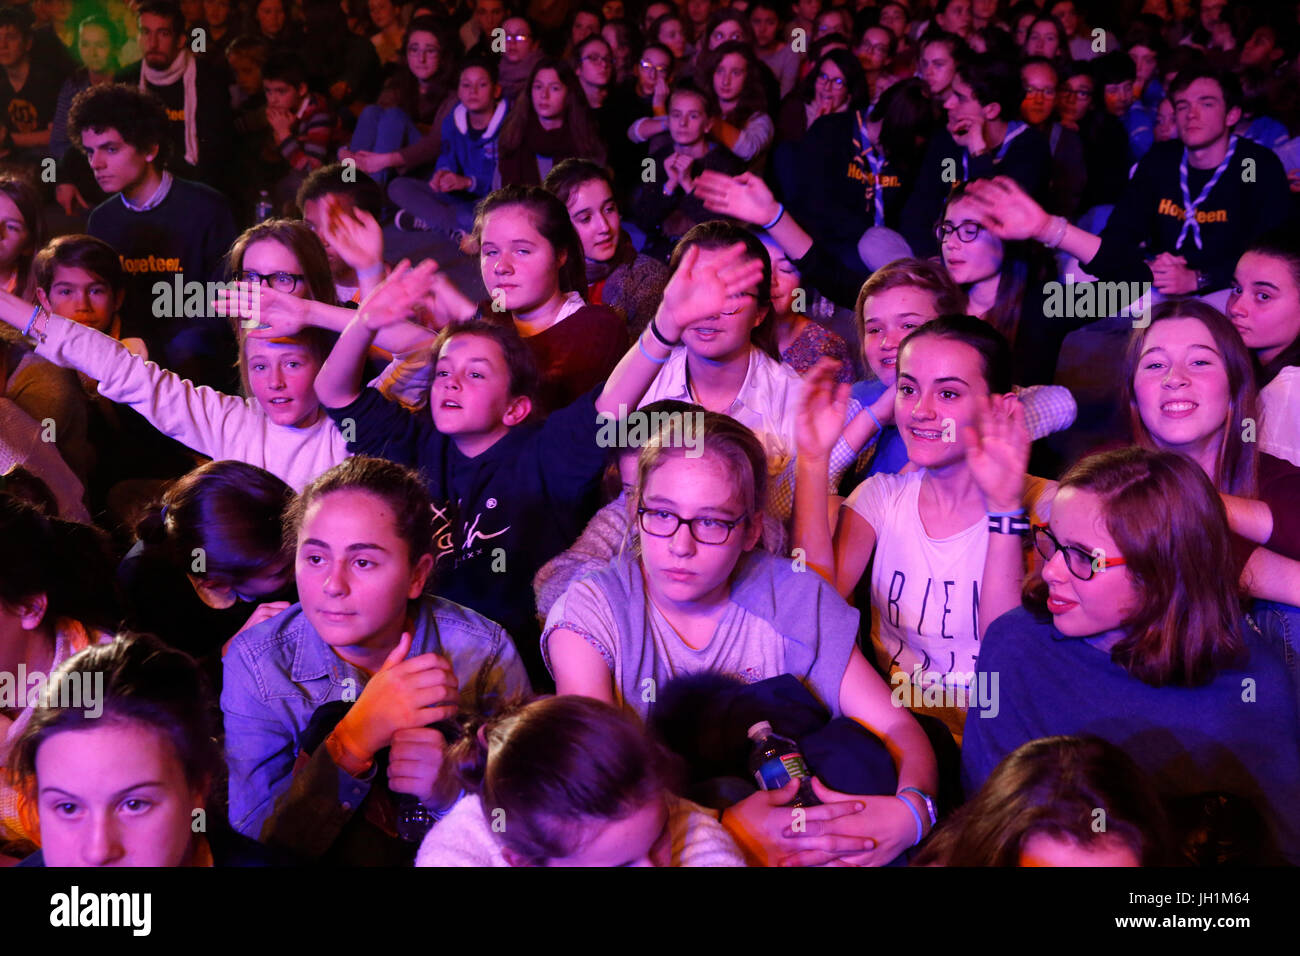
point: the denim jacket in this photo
(278, 673)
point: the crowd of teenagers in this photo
(919, 377)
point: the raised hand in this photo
(403, 694)
(69, 197)
(744, 197)
(264, 312)
(997, 451)
(394, 300)
(1006, 210)
(354, 234)
(694, 292)
(823, 406)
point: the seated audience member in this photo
(208, 560)
(151, 736)
(734, 75)
(1116, 76)
(1186, 216)
(466, 169)
(607, 533)
(1069, 167)
(510, 495)
(694, 595)
(800, 341)
(327, 198)
(29, 90)
(550, 121)
(1146, 623)
(618, 276)
(729, 363)
(339, 62)
(581, 785)
(984, 137)
(896, 300)
(386, 19)
(953, 524)
(56, 598)
(1264, 305)
(164, 227)
(192, 91)
(403, 130)
(279, 426)
(1040, 805)
(76, 189)
(305, 128)
(666, 208)
(329, 706)
(519, 60)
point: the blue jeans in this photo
(1279, 625)
(383, 129)
(444, 212)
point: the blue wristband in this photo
(780, 212)
(872, 415)
(641, 346)
(920, 830)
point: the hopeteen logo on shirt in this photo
(1168, 207)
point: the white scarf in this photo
(184, 67)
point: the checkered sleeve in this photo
(1048, 409)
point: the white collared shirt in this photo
(159, 195)
(766, 403)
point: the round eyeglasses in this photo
(664, 524)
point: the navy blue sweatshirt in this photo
(188, 234)
(500, 515)
(1227, 735)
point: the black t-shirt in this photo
(31, 109)
(1250, 198)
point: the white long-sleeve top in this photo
(212, 423)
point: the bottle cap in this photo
(760, 730)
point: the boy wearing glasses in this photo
(985, 137)
(160, 225)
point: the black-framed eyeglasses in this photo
(647, 65)
(597, 58)
(1082, 564)
(967, 231)
(518, 37)
(1039, 93)
(833, 80)
(664, 524)
(279, 281)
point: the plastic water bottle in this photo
(262, 211)
(775, 759)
